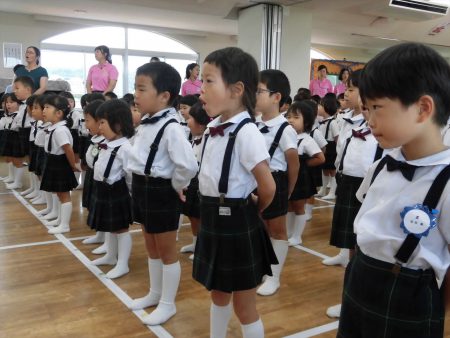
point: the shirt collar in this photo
(97, 138)
(234, 119)
(56, 125)
(441, 158)
(276, 121)
(116, 143)
(170, 109)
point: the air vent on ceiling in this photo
(434, 7)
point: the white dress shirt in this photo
(287, 141)
(248, 151)
(61, 136)
(174, 159)
(377, 224)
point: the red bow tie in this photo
(361, 135)
(213, 131)
(102, 145)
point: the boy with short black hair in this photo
(281, 142)
(396, 284)
(163, 163)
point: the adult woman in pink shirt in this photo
(103, 76)
(321, 85)
(341, 87)
(192, 85)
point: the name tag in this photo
(224, 211)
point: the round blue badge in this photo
(418, 220)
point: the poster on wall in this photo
(12, 54)
(333, 67)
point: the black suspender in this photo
(378, 153)
(110, 163)
(328, 128)
(154, 147)
(277, 138)
(224, 176)
(341, 164)
(49, 146)
(24, 118)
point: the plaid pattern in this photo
(24, 138)
(379, 303)
(234, 252)
(330, 155)
(191, 207)
(76, 140)
(87, 188)
(12, 147)
(83, 145)
(345, 211)
(2, 141)
(33, 157)
(279, 205)
(41, 160)
(156, 204)
(110, 206)
(304, 188)
(58, 176)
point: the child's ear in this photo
(427, 108)
(237, 89)
(165, 97)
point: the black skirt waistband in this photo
(154, 181)
(226, 202)
(394, 268)
(350, 179)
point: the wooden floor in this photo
(49, 289)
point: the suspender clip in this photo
(154, 146)
(222, 199)
(396, 268)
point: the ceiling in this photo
(364, 24)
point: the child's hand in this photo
(76, 168)
(182, 195)
(255, 199)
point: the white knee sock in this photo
(110, 258)
(166, 307)
(272, 283)
(253, 330)
(299, 226)
(124, 244)
(219, 319)
(64, 224)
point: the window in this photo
(68, 56)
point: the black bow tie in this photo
(102, 146)
(348, 120)
(406, 169)
(361, 135)
(153, 120)
(213, 131)
(264, 130)
(197, 141)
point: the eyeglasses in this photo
(262, 90)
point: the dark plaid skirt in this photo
(345, 211)
(379, 303)
(83, 145)
(304, 188)
(191, 207)
(330, 155)
(12, 145)
(33, 157)
(87, 188)
(41, 160)
(316, 173)
(76, 140)
(2, 141)
(156, 204)
(58, 176)
(24, 137)
(279, 205)
(233, 252)
(110, 206)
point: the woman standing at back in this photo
(192, 85)
(103, 76)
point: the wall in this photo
(28, 30)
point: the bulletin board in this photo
(333, 66)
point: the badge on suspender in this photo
(95, 151)
(418, 220)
